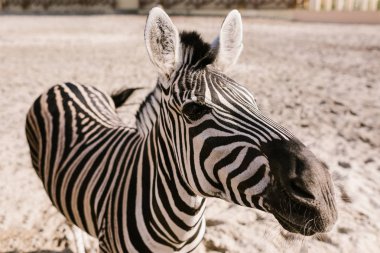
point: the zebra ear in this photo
(162, 41)
(229, 43)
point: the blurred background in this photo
(314, 66)
(210, 7)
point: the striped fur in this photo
(117, 183)
(143, 189)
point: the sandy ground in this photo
(321, 81)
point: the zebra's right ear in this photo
(162, 42)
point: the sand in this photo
(322, 81)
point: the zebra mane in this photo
(148, 111)
(149, 105)
(196, 52)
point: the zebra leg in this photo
(87, 243)
(78, 237)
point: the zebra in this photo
(198, 134)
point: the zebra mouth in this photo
(297, 217)
(293, 227)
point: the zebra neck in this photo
(181, 215)
(178, 214)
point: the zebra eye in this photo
(194, 110)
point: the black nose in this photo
(298, 189)
(295, 167)
(302, 187)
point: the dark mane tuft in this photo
(202, 55)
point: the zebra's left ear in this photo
(229, 43)
(162, 42)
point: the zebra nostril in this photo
(299, 190)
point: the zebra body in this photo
(104, 176)
(198, 134)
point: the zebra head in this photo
(222, 144)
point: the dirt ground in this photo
(322, 81)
